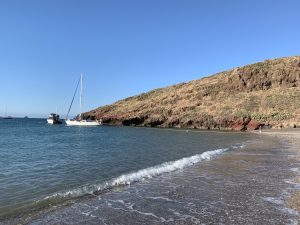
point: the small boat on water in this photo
(6, 117)
(79, 121)
(53, 119)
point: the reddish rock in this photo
(238, 125)
(253, 125)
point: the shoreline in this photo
(293, 137)
(246, 177)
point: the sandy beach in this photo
(293, 137)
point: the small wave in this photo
(165, 168)
(140, 175)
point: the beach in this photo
(150, 112)
(293, 137)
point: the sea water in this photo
(136, 173)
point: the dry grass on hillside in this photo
(267, 92)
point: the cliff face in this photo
(265, 93)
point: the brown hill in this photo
(265, 93)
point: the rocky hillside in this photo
(265, 93)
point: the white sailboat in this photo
(79, 121)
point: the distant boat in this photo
(53, 119)
(6, 117)
(79, 121)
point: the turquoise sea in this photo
(134, 175)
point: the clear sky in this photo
(126, 47)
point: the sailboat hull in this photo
(83, 123)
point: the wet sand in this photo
(251, 185)
(293, 137)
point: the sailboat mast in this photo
(80, 96)
(67, 117)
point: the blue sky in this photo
(124, 48)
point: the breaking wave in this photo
(165, 168)
(139, 175)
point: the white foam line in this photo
(165, 168)
(147, 173)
